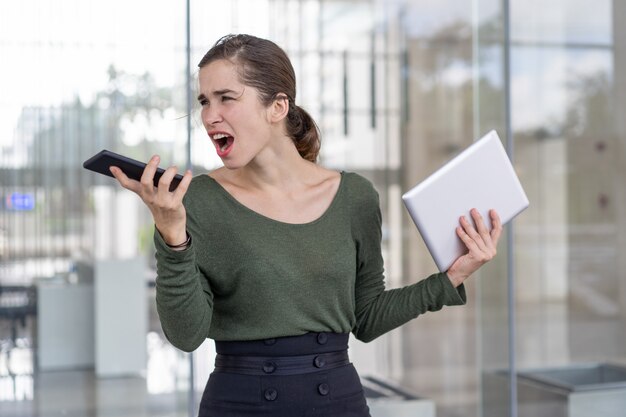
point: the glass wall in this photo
(397, 88)
(569, 147)
(77, 77)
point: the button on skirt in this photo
(307, 375)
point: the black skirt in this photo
(308, 375)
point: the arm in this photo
(184, 299)
(378, 310)
(183, 296)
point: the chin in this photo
(242, 161)
(231, 164)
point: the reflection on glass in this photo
(562, 22)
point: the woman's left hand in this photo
(480, 242)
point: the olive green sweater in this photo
(247, 277)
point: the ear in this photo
(279, 108)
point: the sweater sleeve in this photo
(378, 310)
(184, 298)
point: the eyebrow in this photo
(217, 93)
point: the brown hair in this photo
(265, 66)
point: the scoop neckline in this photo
(255, 213)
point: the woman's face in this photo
(232, 114)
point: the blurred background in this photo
(398, 87)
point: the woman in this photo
(275, 257)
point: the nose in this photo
(211, 115)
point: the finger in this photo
(496, 226)
(472, 233)
(467, 240)
(124, 181)
(480, 225)
(183, 186)
(487, 242)
(166, 180)
(147, 177)
(477, 254)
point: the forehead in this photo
(218, 75)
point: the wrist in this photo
(182, 245)
(173, 238)
(455, 278)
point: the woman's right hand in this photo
(168, 211)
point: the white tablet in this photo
(480, 177)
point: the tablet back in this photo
(480, 177)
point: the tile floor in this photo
(79, 393)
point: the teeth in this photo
(222, 139)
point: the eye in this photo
(226, 98)
(203, 102)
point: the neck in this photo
(277, 167)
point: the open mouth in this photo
(223, 142)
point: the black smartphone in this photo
(104, 159)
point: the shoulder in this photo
(363, 205)
(360, 188)
(198, 183)
(199, 188)
(362, 200)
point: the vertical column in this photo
(619, 104)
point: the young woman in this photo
(275, 257)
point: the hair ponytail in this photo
(304, 132)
